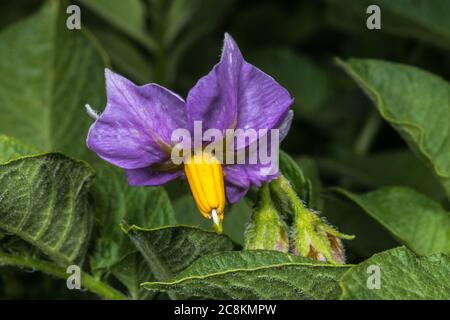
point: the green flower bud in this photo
(267, 230)
(310, 235)
(314, 238)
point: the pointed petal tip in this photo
(227, 37)
(229, 40)
(229, 45)
(111, 76)
(108, 72)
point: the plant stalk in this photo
(95, 286)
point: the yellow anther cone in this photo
(205, 177)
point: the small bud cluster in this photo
(308, 234)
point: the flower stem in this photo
(283, 188)
(368, 134)
(95, 286)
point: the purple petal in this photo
(137, 123)
(236, 94)
(262, 101)
(149, 177)
(236, 175)
(245, 176)
(213, 100)
(240, 177)
(285, 125)
(234, 193)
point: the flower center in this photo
(205, 177)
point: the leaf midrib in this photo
(273, 266)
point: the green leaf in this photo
(255, 274)
(306, 186)
(126, 56)
(311, 172)
(48, 74)
(403, 276)
(396, 167)
(415, 102)
(132, 271)
(115, 202)
(177, 28)
(306, 81)
(11, 148)
(182, 17)
(126, 16)
(169, 250)
(421, 19)
(414, 219)
(370, 236)
(43, 200)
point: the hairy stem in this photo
(95, 286)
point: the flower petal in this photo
(240, 177)
(213, 100)
(235, 94)
(137, 123)
(149, 177)
(285, 125)
(234, 193)
(246, 176)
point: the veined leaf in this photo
(307, 82)
(398, 167)
(402, 275)
(416, 103)
(414, 219)
(125, 55)
(169, 250)
(48, 74)
(11, 148)
(127, 16)
(421, 19)
(132, 271)
(43, 201)
(370, 236)
(115, 202)
(255, 274)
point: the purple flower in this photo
(135, 130)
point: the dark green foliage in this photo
(368, 151)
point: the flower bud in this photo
(310, 235)
(267, 230)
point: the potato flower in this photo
(135, 131)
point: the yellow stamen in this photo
(205, 178)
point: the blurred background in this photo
(337, 135)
